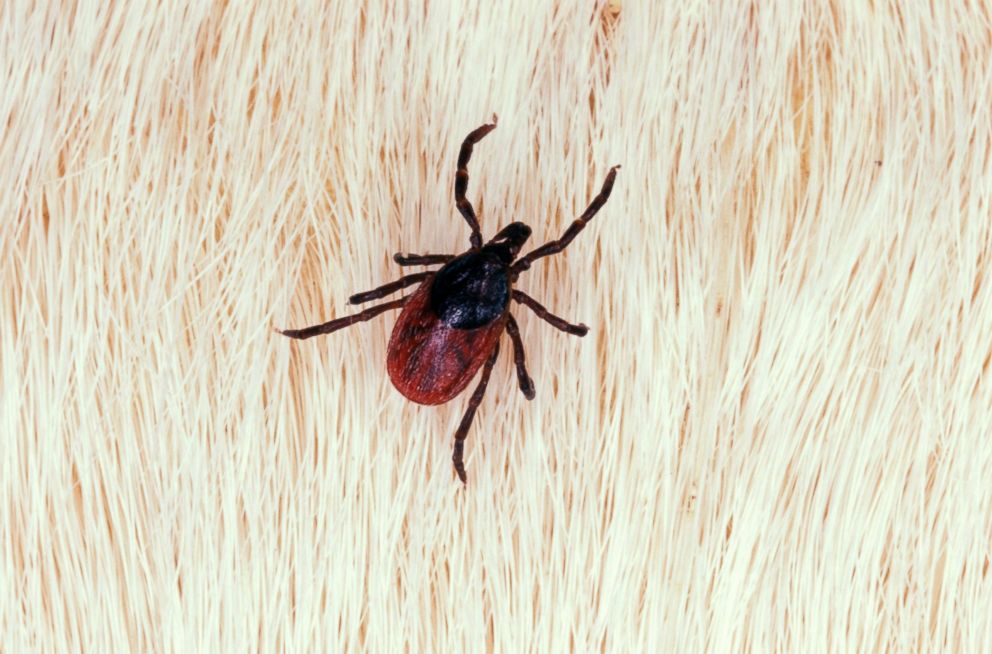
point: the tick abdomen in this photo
(471, 291)
(429, 361)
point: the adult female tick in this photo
(451, 324)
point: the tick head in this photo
(508, 241)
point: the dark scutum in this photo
(471, 291)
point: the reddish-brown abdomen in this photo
(430, 362)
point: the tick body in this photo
(451, 324)
(448, 328)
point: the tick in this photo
(451, 324)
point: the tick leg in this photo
(538, 308)
(554, 247)
(421, 259)
(526, 383)
(461, 181)
(473, 404)
(391, 287)
(341, 323)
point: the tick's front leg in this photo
(421, 259)
(461, 181)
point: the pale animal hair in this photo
(776, 436)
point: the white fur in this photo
(774, 438)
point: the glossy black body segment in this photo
(471, 291)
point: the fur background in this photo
(776, 436)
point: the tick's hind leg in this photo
(526, 383)
(341, 323)
(391, 287)
(473, 404)
(421, 259)
(556, 246)
(461, 181)
(555, 321)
